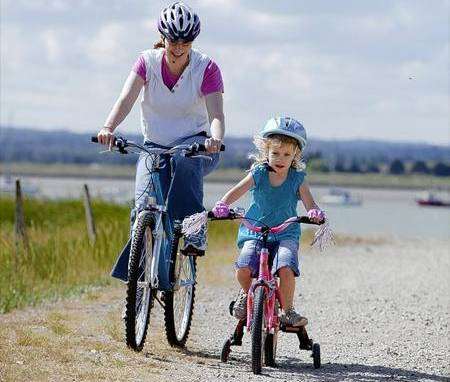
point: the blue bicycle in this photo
(157, 271)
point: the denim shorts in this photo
(282, 254)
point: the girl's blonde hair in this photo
(276, 140)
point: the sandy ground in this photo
(379, 311)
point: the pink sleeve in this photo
(140, 68)
(212, 79)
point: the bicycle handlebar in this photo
(276, 229)
(191, 150)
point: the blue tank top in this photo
(272, 205)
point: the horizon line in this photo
(365, 139)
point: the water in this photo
(391, 213)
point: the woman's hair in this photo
(159, 44)
(276, 140)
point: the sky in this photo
(346, 69)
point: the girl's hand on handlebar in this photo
(221, 210)
(316, 215)
(106, 136)
(213, 145)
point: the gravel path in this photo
(380, 312)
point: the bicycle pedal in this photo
(290, 329)
(192, 251)
(231, 306)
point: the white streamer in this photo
(324, 237)
(193, 224)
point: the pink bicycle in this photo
(264, 304)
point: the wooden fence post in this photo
(89, 216)
(20, 232)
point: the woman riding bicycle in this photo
(181, 104)
(277, 182)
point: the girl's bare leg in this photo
(244, 277)
(287, 286)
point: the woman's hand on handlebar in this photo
(212, 145)
(106, 136)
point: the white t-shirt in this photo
(168, 115)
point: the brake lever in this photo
(190, 154)
(202, 156)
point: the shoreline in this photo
(98, 171)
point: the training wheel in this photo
(316, 355)
(226, 350)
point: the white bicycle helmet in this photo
(178, 22)
(286, 126)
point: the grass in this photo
(60, 260)
(29, 338)
(56, 323)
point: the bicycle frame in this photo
(156, 204)
(164, 229)
(270, 284)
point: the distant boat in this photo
(433, 199)
(341, 197)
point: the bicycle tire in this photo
(270, 350)
(270, 345)
(257, 329)
(182, 273)
(139, 300)
(316, 355)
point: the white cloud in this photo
(216, 5)
(52, 45)
(107, 46)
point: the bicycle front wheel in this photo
(179, 302)
(139, 292)
(258, 329)
(270, 345)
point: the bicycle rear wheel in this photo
(139, 293)
(179, 302)
(258, 329)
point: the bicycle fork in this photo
(267, 281)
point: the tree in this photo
(373, 168)
(441, 169)
(420, 167)
(355, 167)
(339, 165)
(397, 167)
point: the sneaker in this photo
(292, 318)
(240, 306)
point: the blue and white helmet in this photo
(178, 22)
(286, 126)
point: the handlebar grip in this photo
(307, 220)
(202, 147)
(95, 140)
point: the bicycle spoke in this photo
(182, 293)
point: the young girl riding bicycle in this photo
(276, 181)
